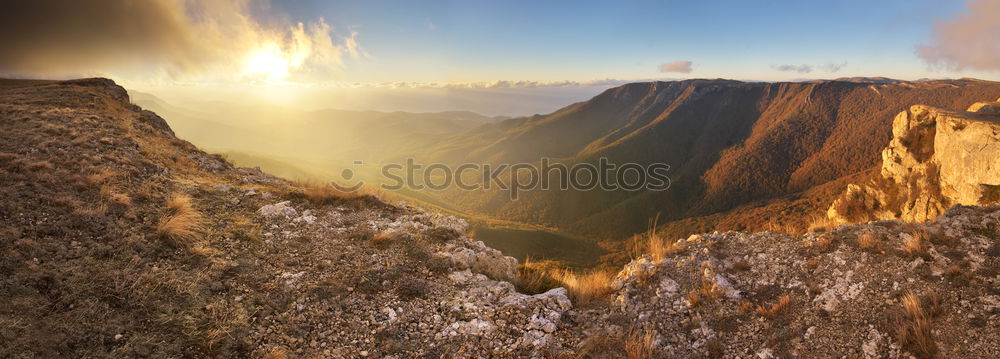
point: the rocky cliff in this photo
(937, 158)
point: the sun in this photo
(268, 63)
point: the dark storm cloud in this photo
(40, 36)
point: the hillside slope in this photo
(121, 240)
(730, 145)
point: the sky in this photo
(531, 56)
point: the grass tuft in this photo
(321, 193)
(916, 243)
(535, 277)
(866, 240)
(778, 307)
(640, 344)
(820, 223)
(586, 287)
(914, 331)
(181, 227)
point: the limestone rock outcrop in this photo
(937, 158)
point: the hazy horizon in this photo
(509, 59)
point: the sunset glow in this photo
(268, 63)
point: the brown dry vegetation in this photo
(660, 248)
(536, 277)
(916, 243)
(778, 307)
(914, 329)
(587, 286)
(640, 343)
(181, 225)
(320, 193)
(866, 240)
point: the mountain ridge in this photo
(122, 240)
(736, 142)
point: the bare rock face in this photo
(937, 158)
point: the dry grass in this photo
(655, 243)
(321, 193)
(866, 240)
(179, 203)
(245, 230)
(121, 199)
(640, 344)
(741, 266)
(182, 224)
(100, 177)
(586, 287)
(784, 227)
(694, 299)
(916, 243)
(385, 239)
(661, 248)
(960, 272)
(823, 243)
(746, 307)
(710, 290)
(914, 331)
(812, 263)
(535, 277)
(276, 353)
(778, 307)
(599, 344)
(820, 223)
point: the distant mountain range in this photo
(743, 155)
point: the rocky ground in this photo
(97, 263)
(719, 297)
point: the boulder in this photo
(278, 210)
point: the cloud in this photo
(805, 68)
(969, 40)
(802, 69)
(208, 40)
(832, 67)
(676, 66)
